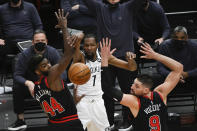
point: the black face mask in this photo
(15, 1)
(40, 46)
(179, 44)
(113, 5)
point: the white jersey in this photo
(93, 86)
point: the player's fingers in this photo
(56, 15)
(100, 45)
(62, 12)
(111, 52)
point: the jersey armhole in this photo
(62, 84)
(160, 95)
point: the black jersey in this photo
(59, 106)
(152, 115)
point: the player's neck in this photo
(148, 95)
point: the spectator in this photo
(23, 78)
(151, 24)
(80, 17)
(115, 20)
(18, 21)
(184, 50)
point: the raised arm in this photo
(124, 99)
(130, 64)
(69, 43)
(175, 67)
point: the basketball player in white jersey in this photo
(90, 105)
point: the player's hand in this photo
(2, 42)
(75, 7)
(77, 98)
(148, 52)
(105, 46)
(80, 36)
(62, 20)
(130, 56)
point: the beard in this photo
(89, 56)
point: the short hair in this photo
(180, 29)
(34, 62)
(91, 36)
(38, 31)
(145, 79)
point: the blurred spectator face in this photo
(145, 5)
(15, 2)
(179, 39)
(90, 47)
(113, 2)
(39, 42)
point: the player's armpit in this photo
(131, 102)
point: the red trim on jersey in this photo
(160, 95)
(46, 82)
(39, 81)
(62, 84)
(151, 96)
(139, 104)
(65, 119)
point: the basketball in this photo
(79, 73)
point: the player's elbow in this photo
(179, 68)
(133, 68)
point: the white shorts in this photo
(92, 113)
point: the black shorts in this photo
(74, 125)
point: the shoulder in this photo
(192, 42)
(156, 6)
(4, 6)
(51, 49)
(28, 4)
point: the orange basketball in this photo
(79, 73)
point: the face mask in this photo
(15, 1)
(179, 44)
(40, 46)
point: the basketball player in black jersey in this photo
(50, 91)
(147, 107)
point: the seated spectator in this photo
(151, 24)
(23, 78)
(80, 17)
(184, 50)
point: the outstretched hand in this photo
(62, 20)
(105, 46)
(148, 51)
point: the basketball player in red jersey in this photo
(49, 91)
(148, 107)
